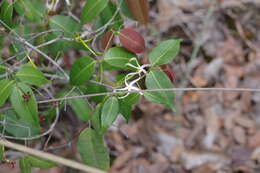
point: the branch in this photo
(50, 157)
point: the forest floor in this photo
(211, 132)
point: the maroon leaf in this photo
(132, 40)
(167, 69)
(107, 40)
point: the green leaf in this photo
(124, 9)
(18, 127)
(2, 154)
(107, 67)
(93, 150)
(65, 24)
(108, 13)
(6, 13)
(82, 70)
(3, 69)
(31, 75)
(6, 87)
(24, 31)
(80, 107)
(126, 103)
(69, 27)
(95, 119)
(32, 10)
(91, 9)
(39, 163)
(109, 112)
(92, 88)
(157, 79)
(164, 52)
(26, 109)
(25, 166)
(118, 57)
(126, 111)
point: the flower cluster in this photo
(131, 85)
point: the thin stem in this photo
(152, 90)
(26, 43)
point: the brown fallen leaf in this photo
(239, 135)
(254, 141)
(244, 122)
(122, 159)
(195, 159)
(206, 168)
(212, 125)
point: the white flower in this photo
(132, 85)
(51, 5)
(68, 2)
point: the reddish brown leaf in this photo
(139, 10)
(168, 70)
(66, 60)
(132, 40)
(107, 40)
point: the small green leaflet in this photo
(93, 150)
(18, 127)
(32, 10)
(118, 57)
(27, 162)
(80, 107)
(109, 112)
(124, 9)
(126, 111)
(91, 88)
(92, 9)
(6, 13)
(2, 154)
(30, 75)
(3, 69)
(25, 166)
(164, 52)
(95, 118)
(108, 13)
(39, 163)
(25, 31)
(26, 109)
(6, 87)
(82, 70)
(126, 103)
(69, 27)
(64, 23)
(157, 79)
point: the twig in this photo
(44, 32)
(26, 43)
(38, 46)
(151, 90)
(50, 157)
